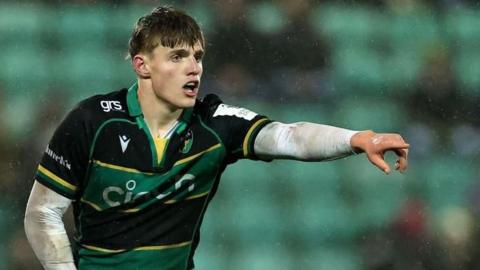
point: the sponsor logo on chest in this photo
(115, 195)
(111, 105)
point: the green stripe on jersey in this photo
(174, 257)
(55, 183)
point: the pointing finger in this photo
(378, 161)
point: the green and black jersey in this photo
(137, 206)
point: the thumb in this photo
(377, 160)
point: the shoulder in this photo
(101, 107)
(211, 106)
(237, 127)
(207, 106)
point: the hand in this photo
(375, 145)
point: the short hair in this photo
(165, 26)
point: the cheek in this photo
(170, 73)
(162, 74)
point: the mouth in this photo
(191, 88)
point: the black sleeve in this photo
(65, 160)
(237, 127)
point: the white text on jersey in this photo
(224, 109)
(58, 158)
(111, 105)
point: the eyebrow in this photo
(181, 52)
(199, 53)
(184, 52)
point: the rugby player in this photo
(140, 165)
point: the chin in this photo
(187, 104)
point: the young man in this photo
(141, 165)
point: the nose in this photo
(194, 67)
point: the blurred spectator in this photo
(21, 254)
(416, 247)
(297, 45)
(8, 213)
(407, 244)
(403, 6)
(50, 111)
(6, 148)
(232, 81)
(300, 55)
(456, 235)
(231, 46)
(436, 97)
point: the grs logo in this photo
(111, 105)
(115, 196)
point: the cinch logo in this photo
(111, 105)
(115, 196)
(58, 158)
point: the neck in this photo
(159, 115)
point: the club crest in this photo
(187, 143)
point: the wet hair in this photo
(165, 26)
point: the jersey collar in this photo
(134, 108)
(132, 101)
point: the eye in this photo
(176, 58)
(198, 57)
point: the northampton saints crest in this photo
(187, 143)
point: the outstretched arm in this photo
(315, 142)
(45, 230)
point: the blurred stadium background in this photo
(407, 66)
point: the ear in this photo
(140, 65)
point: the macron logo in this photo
(124, 142)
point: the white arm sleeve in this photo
(45, 230)
(303, 141)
